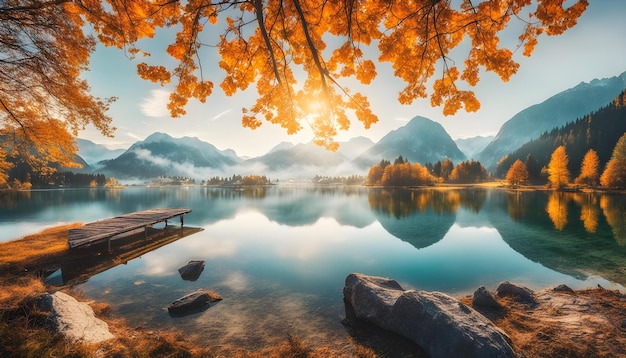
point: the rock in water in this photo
(192, 270)
(75, 320)
(440, 324)
(192, 302)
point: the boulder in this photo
(192, 270)
(75, 320)
(438, 323)
(520, 293)
(485, 299)
(193, 302)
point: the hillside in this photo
(599, 131)
(162, 155)
(556, 111)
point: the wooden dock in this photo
(107, 229)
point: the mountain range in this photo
(421, 140)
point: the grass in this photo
(35, 247)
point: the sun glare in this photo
(315, 106)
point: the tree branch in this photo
(258, 7)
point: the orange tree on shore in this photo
(558, 174)
(45, 46)
(517, 174)
(614, 176)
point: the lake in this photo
(279, 255)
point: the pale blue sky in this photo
(595, 48)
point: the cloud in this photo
(219, 115)
(155, 105)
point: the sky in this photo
(594, 48)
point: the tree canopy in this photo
(298, 53)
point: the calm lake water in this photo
(279, 256)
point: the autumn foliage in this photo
(400, 173)
(517, 174)
(558, 174)
(614, 176)
(299, 54)
(589, 174)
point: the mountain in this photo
(474, 145)
(599, 131)
(93, 153)
(299, 155)
(161, 155)
(309, 159)
(420, 141)
(556, 111)
(354, 147)
(281, 146)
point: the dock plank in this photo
(101, 230)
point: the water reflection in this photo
(566, 210)
(589, 212)
(420, 218)
(613, 208)
(557, 209)
(573, 238)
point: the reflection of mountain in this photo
(420, 218)
(305, 206)
(577, 243)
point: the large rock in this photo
(75, 320)
(440, 324)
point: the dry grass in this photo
(48, 242)
(538, 333)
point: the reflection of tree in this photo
(516, 205)
(612, 207)
(9, 199)
(473, 199)
(557, 210)
(588, 210)
(396, 204)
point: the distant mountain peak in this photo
(157, 137)
(281, 146)
(421, 140)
